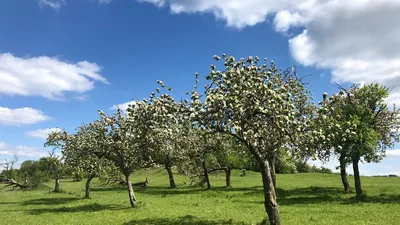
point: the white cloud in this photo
(46, 76)
(55, 4)
(42, 134)
(123, 106)
(285, 19)
(357, 40)
(21, 116)
(236, 13)
(393, 153)
(23, 151)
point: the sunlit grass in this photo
(303, 198)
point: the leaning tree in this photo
(261, 106)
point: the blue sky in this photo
(61, 60)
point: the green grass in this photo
(303, 198)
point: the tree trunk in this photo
(228, 176)
(271, 206)
(206, 171)
(343, 174)
(170, 174)
(357, 180)
(132, 198)
(89, 179)
(26, 179)
(273, 174)
(57, 184)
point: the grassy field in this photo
(303, 198)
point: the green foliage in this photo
(356, 122)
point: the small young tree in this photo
(261, 106)
(53, 162)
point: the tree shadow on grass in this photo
(9, 203)
(192, 190)
(108, 188)
(317, 195)
(309, 195)
(95, 207)
(185, 220)
(50, 201)
(383, 199)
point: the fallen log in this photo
(11, 183)
(112, 180)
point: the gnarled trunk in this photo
(170, 174)
(228, 176)
(343, 174)
(205, 172)
(357, 180)
(87, 187)
(132, 198)
(57, 184)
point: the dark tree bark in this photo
(57, 184)
(205, 172)
(170, 174)
(228, 176)
(271, 162)
(357, 180)
(343, 174)
(132, 198)
(87, 187)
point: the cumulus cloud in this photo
(123, 106)
(236, 13)
(21, 116)
(46, 76)
(42, 134)
(22, 151)
(393, 153)
(357, 40)
(285, 19)
(3, 145)
(55, 4)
